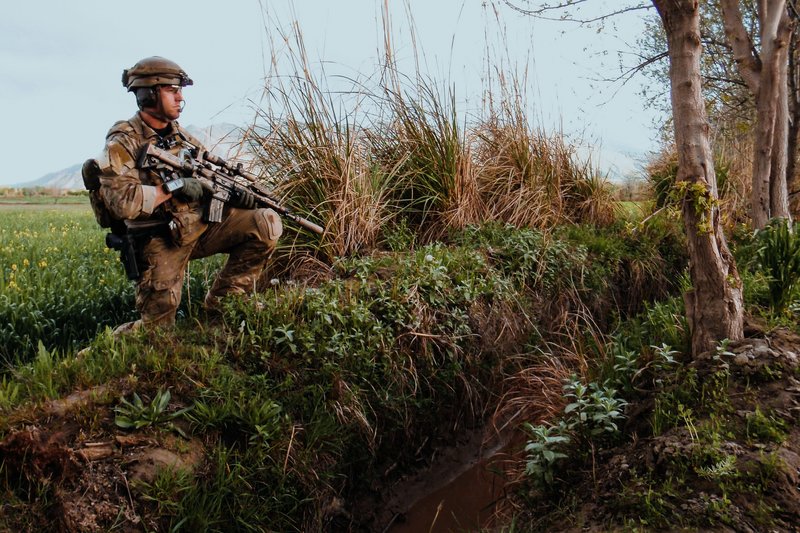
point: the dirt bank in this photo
(728, 458)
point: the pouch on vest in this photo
(186, 227)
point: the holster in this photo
(131, 240)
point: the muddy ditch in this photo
(458, 488)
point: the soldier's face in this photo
(171, 100)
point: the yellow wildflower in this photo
(14, 267)
(42, 263)
(26, 263)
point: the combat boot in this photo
(127, 328)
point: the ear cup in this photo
(146, 97)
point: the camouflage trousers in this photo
(248, 236)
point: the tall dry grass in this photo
(320, 150)
(527, 176)
(424, 142)
(398, 148)
(734, 165)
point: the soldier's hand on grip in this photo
(242, 199)
(192, 189)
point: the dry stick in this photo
(436, 517)
(648, 217)
(128, 490)
(289, 449)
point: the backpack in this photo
(90, 172)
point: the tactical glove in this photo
(192, 189)
(242, 199)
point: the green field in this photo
(71, 199)
(59, 284)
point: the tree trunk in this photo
(793, 184)
(714, 305)
(766, 75)
(778, 184)
(774, 36)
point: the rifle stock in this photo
(222, 179)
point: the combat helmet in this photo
(152, 71)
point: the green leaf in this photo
(163, 400)
(123, 422)
(137, 401)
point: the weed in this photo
(166, 490)
(527, 256)
(685, 415)
(717, 507)
(399, 237)
(592, 413)
(235, 496)
(761, 427)
(9, 393)
(594, 410)
(661, 323)
(723, 468)
(626, 366)
(778, 254)
(544, 451)
(137, 415)
(40, 374)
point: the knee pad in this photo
(270, 227)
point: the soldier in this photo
(126, 192)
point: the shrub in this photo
(778, 255)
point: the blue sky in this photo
(61, 63)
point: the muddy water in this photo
(464, 499)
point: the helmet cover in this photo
(152, 71)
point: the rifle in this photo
(225, 181)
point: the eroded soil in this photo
(95, 471)
(733, 468)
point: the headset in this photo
(147, 96)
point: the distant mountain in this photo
(68, 179)
(222, 139)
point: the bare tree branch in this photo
(708, 40)
(626, 76)
(793, 10)
(728, 81)
(542, 11)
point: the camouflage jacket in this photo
(129, 192)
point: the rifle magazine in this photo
(214, 211)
